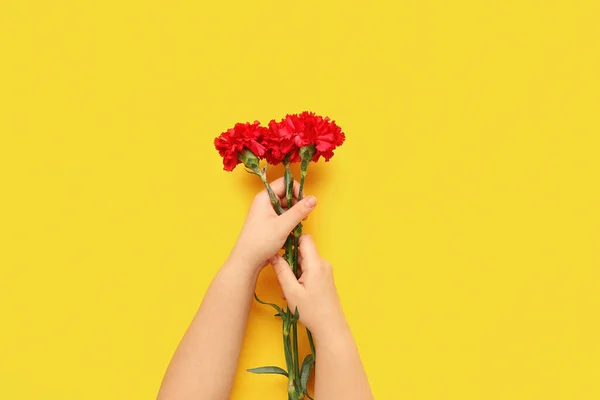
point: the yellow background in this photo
(461, 216)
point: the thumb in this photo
(292, 217)
(284, 273)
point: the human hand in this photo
(264, 232)
(314, 293)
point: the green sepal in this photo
(307, 152)
(268, 370)
(248, 159)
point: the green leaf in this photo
(305, 371)
(268, 370)
(275, 306)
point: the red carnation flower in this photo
(280, 142)
(231, 143)
(299, 130)
(320, 132)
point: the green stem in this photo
(311, 343)
(291, 356)
(288, 180)
(262, 173)
(297, 233)
(289, 251)
(292, 253)
(296, 239)
(303, 168)
(287, 349)
(298, 229)
(296, 352)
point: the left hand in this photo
(264, 232)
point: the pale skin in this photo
(205, 362)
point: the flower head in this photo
(279, 142)
(232, 143)
(299, 130)
(320, 132)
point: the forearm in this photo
(339, 373)
(205, 361)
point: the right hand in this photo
(314, 293)
(264, 232)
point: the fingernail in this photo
(311, 201)
(273, 259)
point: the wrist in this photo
(244, 259)
(333, 336)
(241, 267)
(331, 331)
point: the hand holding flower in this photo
(205, 362)
(302, 138)
(314, 293)
(264, 232)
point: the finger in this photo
(284, 273)
(288, 220)
(279, 190)
(284, 204)
(278, 187)
(308, 249)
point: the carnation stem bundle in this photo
(300, 138)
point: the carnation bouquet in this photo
(297, 138)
